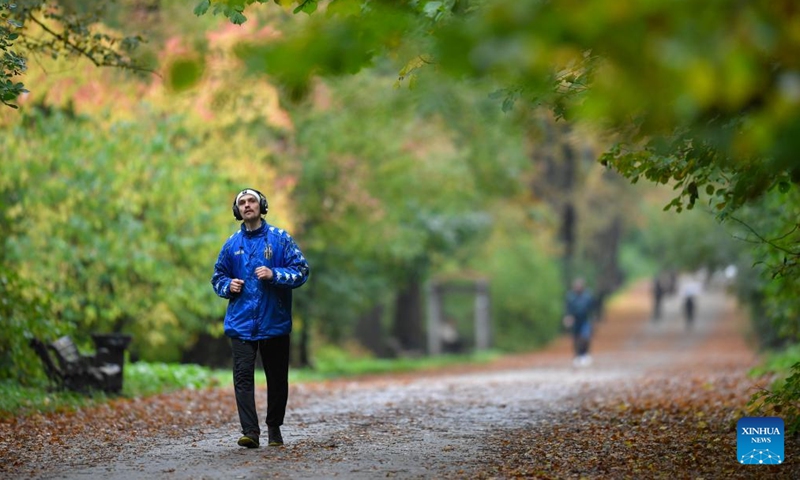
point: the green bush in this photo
(781, 399)
(526, 287)
(125, 237)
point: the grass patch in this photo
(16, 399)
(143, 379)
(140, 379)
(334, 364)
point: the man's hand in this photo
(568, 321)
(236, 285)
(264, 273)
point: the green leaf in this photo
(237, 18)
(202, 7)
(508, 104)
(308, 6)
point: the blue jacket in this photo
(263, 309)
(580, 305)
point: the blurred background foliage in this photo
(479, 141)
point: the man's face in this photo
(248, 207)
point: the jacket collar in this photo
(256, 232)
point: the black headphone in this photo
(263, 207)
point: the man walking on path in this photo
(580, 308)
(256, 270)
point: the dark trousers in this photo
(581, 337)
(688, 310)
(275, 359)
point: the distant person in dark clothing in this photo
(580, 311)
(690, 290)
(658, 297)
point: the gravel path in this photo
(432, 425)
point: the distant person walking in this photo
(690, 290)
(256, 270)
(580, 310)
(658, 297)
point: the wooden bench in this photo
(69, 369)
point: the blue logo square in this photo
(759, 441)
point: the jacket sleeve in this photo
(295, 270)
(221, 280)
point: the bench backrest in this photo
(69, 358)
(51, 369)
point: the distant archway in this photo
(437, 290)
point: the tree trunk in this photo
(408, 321)
(303, 355)
(208, 351)
(369, 332)
(606, 256)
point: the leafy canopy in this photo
(701, 94)
(55, 28)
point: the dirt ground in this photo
(658, 401)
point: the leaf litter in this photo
(658, 402)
